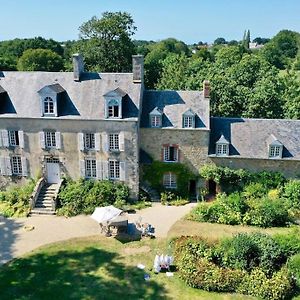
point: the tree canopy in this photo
(40, 60)
(106, 42)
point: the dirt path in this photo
(15, 240)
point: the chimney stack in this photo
(138, 68)
(78, 66)
(206, 88)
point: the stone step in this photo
(42, 211)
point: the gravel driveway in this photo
(15, 240)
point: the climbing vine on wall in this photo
(154, 172)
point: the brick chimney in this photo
(206, 88)
(138, 68)
(78, 66)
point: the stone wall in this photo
(192, 143)
(69, 155)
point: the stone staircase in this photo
(45, 200)
(155, 197)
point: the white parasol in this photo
(105, 214)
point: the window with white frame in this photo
(155, 121)
(90, 168)
(16, 165)
(169, 181)
(275, 151)
(48, 105)
(13, 138)
(170, 153)
(50, 141)
(188, 121)
(114, 142)
(114, 169)
(222, 149)
(89, 141)
(113, 109)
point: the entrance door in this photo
(53, 172)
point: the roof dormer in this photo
(155, 118)
(49, 98)
(188, 119)
(113, 103)
(275, 147)
(222, 146)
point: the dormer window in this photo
(113, 103)
(113, 109)
(155, 118)
(48, 106)
(50, 95)
(188, 119)
(275, 147)
(222, 146)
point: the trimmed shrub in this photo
(289, 242)
(293, 266)
(279, 286)
(291, 192)
(15, 201)
(83, 196)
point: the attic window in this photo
(188, 119)
(155, 118)
(48, 105)
(155, 121)
(113, 109)
(275, 151)
(222, 146)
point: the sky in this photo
(188, 20)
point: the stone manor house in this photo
(103, 125)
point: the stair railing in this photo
(36, 191)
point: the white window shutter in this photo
(99, 169)
(105, 142)
(97, 141)
(8, 166)
(80, 141)
(82, 168)
(1, 143)
(122, 140)
(21, 138)
(105, 170)
(122, 171)
(2, 166)
(24, 166)
(58, 140)
(5, 140)
(42, 139)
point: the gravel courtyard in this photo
(16, 238)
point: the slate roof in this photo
(250, 138)
(2, 90)
(173, 104)
(83, 99)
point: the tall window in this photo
(188, 121)
(155, 121)
(169, 181)
(90, 168)
(48, 105)
(16, 165)
(113, 109)
(114, 142)
(13, 138)
(275, 151)
(89, 141)
(170, 154)
(222, 149)
(50, 140)
(114, 169)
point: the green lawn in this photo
(94, 268)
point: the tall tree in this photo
(106, 42)
(40, 60)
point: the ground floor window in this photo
(169, 181)
(50, 139)
(114, 169)
(90, 168)
(16, 165)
